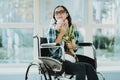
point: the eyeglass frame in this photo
(60, 12)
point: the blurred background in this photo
(98, 22)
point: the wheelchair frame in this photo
(44, 66)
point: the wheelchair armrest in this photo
(53, 45)
(48, 44)
(85, 44)
(54, 64)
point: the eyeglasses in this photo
(60, 12)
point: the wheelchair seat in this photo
(53, 64)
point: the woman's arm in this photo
(59, 38)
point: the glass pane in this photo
(77, 9)
(117, 42)
(107, 44)
(16, 45)
(118, 11)
(106, 11)
(82, 36)
(16, 11)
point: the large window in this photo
(16, 11)
(104, 11)
(106, 19)
(97, 20)
(16, 45)
(16, 31)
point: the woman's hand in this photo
(62, 30)
(63, 27)
(70, 45)
(59, 24)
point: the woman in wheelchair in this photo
(63, 32)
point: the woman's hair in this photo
(68, 18)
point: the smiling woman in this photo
(65, 36)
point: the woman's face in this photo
(60, 14)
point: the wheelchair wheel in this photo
(36, 72)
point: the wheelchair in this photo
(52, 69)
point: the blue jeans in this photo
(81, 70)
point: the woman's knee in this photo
(88, 65)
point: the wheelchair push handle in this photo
(36, 36)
